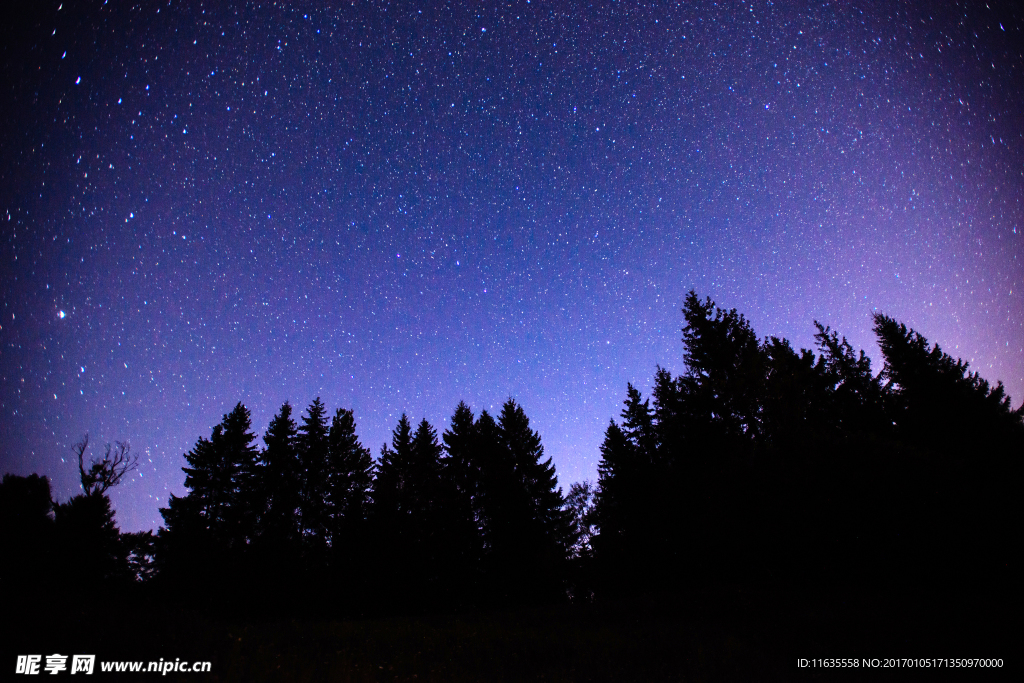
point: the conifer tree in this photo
(391, 486)
(26, 530)
(463, 472)
(281, 478)
(637, 501)
(724, 372)
(312, 446)
(853, 397)
(937, 396)
(392, 525)
(961, 490)
(245, 505)
(350, 475)
(216, 520)
(536, 516)
(497, 487)
(794, 405)
(460, 444)
(427, 501)
(220, 476)
(425, 470)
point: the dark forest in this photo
(759, 470)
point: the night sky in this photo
(397, 206)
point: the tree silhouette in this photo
(464, 503)
(762, 463)
(90, 541)
(390, 514)
(87, 537)
(350, 476)
(724, 368)
(530, 528)
(392, 489)
(108, 472)
(936, 395)
(281, 480)
(214, 523)
(26, 532)
(313, 452)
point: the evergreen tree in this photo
(350, 475)
(424, 472)
(538, 525)
(937, 397)
(497, 487)
(392, 488)
(427, 499)
(853, 398)
(724, 372)
(89, 539)
(463, 473)
(393, 528)
(206, 531)
(281, 478)
(462, 463)
(220, 477)
(626, 473)
(636, 504)
(959, 490)
(794, 403)
(242, 458)
(313, 452)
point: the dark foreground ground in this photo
(731, 635)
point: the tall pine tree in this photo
(349, 477)
(281, 479)
(313, 453)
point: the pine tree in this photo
(497, 489)
(245, 505)
(794, 405)
(220, 476)
(312, 446)
(207, 529)
(463, 474)
(633, 503)
(26, 532)
(425, 470)
(88, 535)
(853, 397)
(540, 525)
(350, 475)
(937, 397)
(281, 478)
(391, 486)
(725, 371)
(961, 489)
(462, 465)
(427, 501)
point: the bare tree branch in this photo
(103, 474)
(79, 450)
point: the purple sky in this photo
(397, 206)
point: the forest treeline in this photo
(758, 465)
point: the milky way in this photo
(397, 206)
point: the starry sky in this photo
(399, 205)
